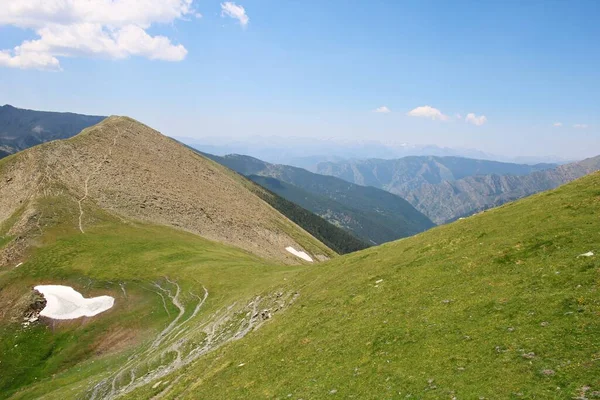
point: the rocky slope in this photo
(130, 170)
(21, 129)
(446, 188)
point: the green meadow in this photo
(498, 305)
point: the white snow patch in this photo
(588, 254)
(18, 265)
(300, 254)
(64, 302)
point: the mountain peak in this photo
(130, 170)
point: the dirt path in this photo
(91, 175)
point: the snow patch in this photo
(300, 254)
(64, 302)
(588, 254)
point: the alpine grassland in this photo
(497, 306)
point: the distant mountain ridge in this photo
(307, 153)
(411, 172)
(21, 129)
(370, 214)
(446, 188)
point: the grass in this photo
(4, 240)
(495, 306)
(44, 358)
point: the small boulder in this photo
(548, 372)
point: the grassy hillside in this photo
(496, 306)
(121, 210)
(141, 266)
(21, 129)
(370, 214)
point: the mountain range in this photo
(442, 188)
(21, 129)
(307, 153)
(447, 188)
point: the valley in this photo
(370, 214)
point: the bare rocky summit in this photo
(134, 172)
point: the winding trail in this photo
(185, 340)
(117, 387)
(94, 172)
(175, 300)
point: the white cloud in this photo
(557, 124)
(232, 10)
(458, 116)
(382, 109)
(476, 120)
(427, 112)
(112, 29)
(28, 60)
(581, 126)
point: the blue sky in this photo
(320, 68)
